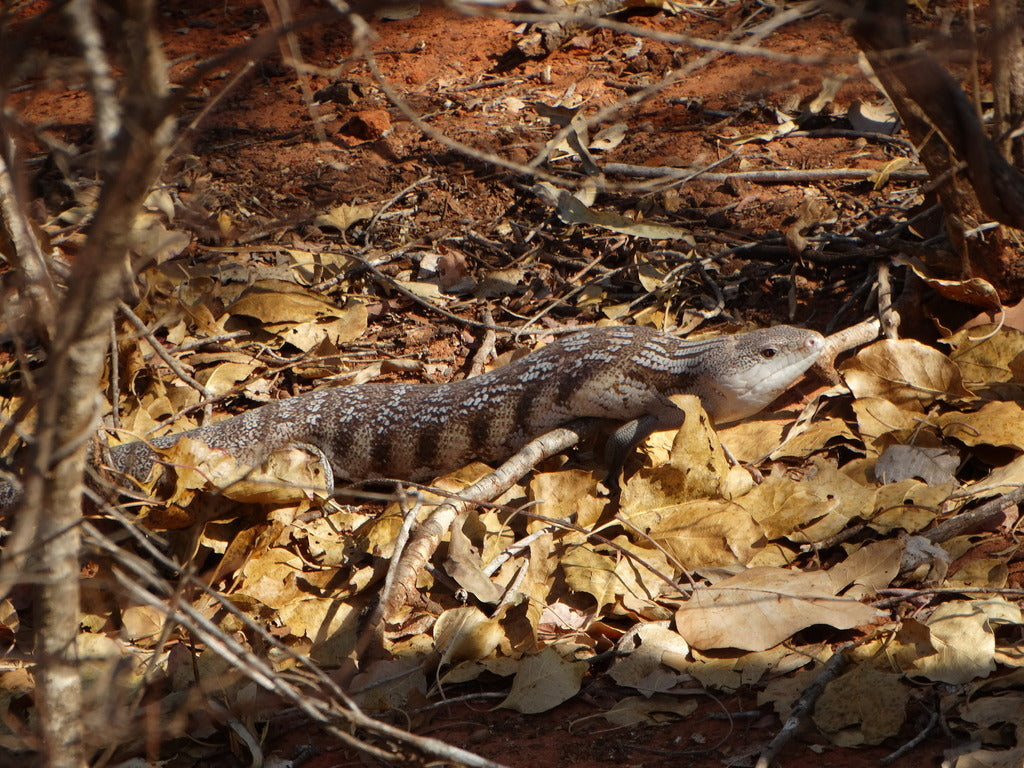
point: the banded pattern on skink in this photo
(419, 431)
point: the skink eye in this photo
(769, 352)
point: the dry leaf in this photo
(654, 657)
(701, 532)
(996, 423)
(975, 290)
(142, 624)
(861, 707)
(642, 710)
(695, 469)
(870, 568)
(906, 373)
(932, 465)
(869, 118)
(389, 685)
(466, 634)
(962, 633)
(761, 607)
(572, 211)
(880, 178)
(591, 572)
(813, 508)
(342, 217)
(544, 681)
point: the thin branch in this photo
(428, 536)
(162, 353)
(829, 672)
(102, 85)
(762, 177)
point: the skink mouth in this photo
(771, 385)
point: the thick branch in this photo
(926, 95)
(70, 382)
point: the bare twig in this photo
(829, 672)
(162, 353)
(319, 698)
(102, 85)
(919, 738)
(714, 46)
(759, 177)
(427, 537)
(486, 349)
(841, 341)
(35, 282)
(960, 524)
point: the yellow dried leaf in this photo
(989, 356)
(142, 623)
(752, 439)
(9, 621)
(642, 710)
(868, 569)
(226, 225)
(974, 290)
(502, 666)
(983, 573)
(317, 618)
(272, 301)
(907, 373)
(342, 217)
(154, 241)
(810, 509)
(761, 607)
(1005, 708)
(642, 580)
(654, 657)
(346, 324)
(559, 619)
(316, 266)
(270, 577)
(881, 177)
(864, 706)
(962, 634)
(565, 495)
(224, 378)
(544, 681)
(878, 417)
(591, 572)
(700, 532)
(996, 423)
(1000, 480)
(328, 539)
(909, 505)
(695, 469)
(467, 633)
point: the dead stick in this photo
(427, 537)
(764, 177)
(829, 672)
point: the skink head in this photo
(759, 367)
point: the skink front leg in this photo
(625, 439)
